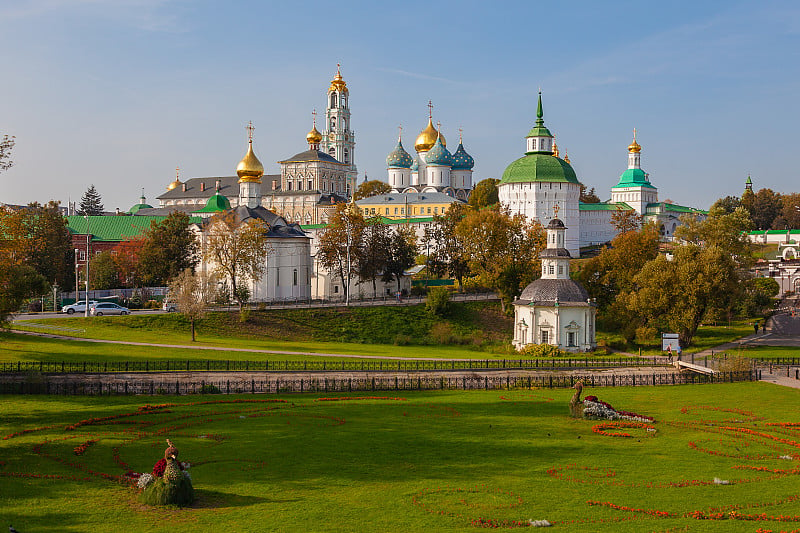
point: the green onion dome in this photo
(439, 155)
(141, 205)
(462, 160)
(399, 158)
(538, 167)
(215, 203)
(415, 165)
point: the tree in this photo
(237, 250)
(485, 194)
(126, 261)
(371, 188)
(725, 231)
(91, 203)
(502, 250)
(791, 210)
(625, 220)
(402, 254)
(6, 144)
(613, 270)
(192, 292)
(37, 236)
(104, 271)
(444, 248)
(767, 205)
(341, 244)
(588, 197)
(727, 204)
(169, 248)
(17, 283)
(375, 253)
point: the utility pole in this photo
(88, 256)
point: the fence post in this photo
(229, 387)
(177, 388)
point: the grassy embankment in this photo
(423, 462)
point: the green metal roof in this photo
(605, 206)
(675, 208)
(634, 177)
(136, 207)
(539, 168)
(539, 131)
(385, 220)
(115, 228)
(215, 204)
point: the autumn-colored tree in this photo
(341, 245)
(727, 204)
(502, 250)
(192, 293)
(169, 248)
(371, 188)
(237, 250)
(791, 210)
(485, 194)
(445, 250)
(625, 220)
(588, 197)
(127, 262)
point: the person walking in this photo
(764, 327)
(755, 328)
(679, 351)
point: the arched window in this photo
(333, 99)
(333, 123)
(343, 99)
(294, 277)
(332, 151)
(346, 156)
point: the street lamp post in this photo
(77, 282)
(88, 238)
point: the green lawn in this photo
(707, 337)
(415, 462)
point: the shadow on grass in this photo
(213, 499)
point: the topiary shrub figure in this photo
(171, 484)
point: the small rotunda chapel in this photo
(555, 309)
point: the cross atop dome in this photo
(250, 129)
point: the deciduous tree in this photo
(169, 248)
(444, 248)
(192, 292)
(371, 188)
(485, 194)
(17, 283)
(237, 250)
(6, 144)
(625, 220)
(341, 245)
(376, 251)
(588, 197)
(402, 254)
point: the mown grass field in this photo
(417, 462)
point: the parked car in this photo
(108, 308)
(169, 307)
(77, 307)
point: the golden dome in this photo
(314, 136)
(427, 138)
(634, 146)
(338, 84)
(250, 168)
(177, 183)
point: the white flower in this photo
(144, 481)
(539, 523)
(718, 481)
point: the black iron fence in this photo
(363, 365)
(79, 386)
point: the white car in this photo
(108, 308)
(77, 307)
(170, 307)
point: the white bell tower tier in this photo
(339, 141)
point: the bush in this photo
(735, 364)
(442, 333)
(208, 388)
(543, 351)
(244, 315)
(160, 492)
(438, 301)
(402, 340)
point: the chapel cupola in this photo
(555, 257)
(539, 139)
(250, 171)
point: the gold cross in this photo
(177, 173)
(430, 109)
(460, 135)
(399, 132)
(555, 210)
(634, 134)
(315, 117)
(250, 129)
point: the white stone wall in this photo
(558, 322)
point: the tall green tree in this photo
(17, 283)
(341, 245)
(727, 204)
(91, 203)
(377, 242)
(237, 250)
(402, 254)
(169, 248)
(49, 243)
(444, 248)
(485, 194)
(104, 272)
(371, 188)
(6, 144)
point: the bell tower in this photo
(338, 139)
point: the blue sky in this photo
(119, 93)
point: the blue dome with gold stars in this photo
(439, 155)
(462, 160)
(399, 158)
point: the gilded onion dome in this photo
(399, 158)
(314, 136)
(439, 155)
(634, 147)
(427, 138)
(177, 183)
(338, 84)
(250, 168)
(461, 159)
